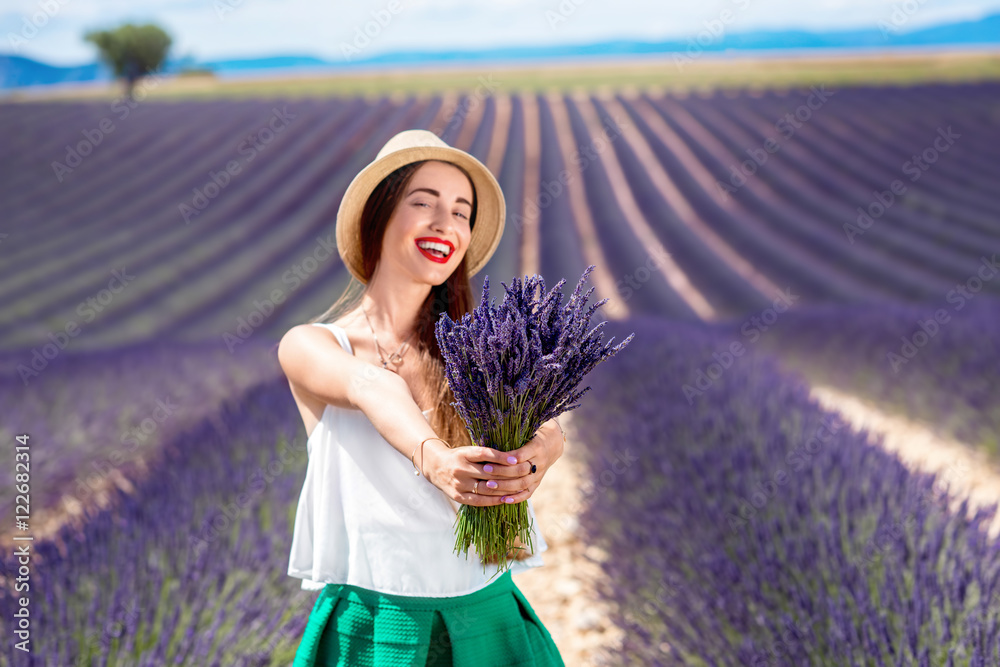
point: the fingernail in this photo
(491, 484)
(512, 460)
(508, 499)
(488, 468)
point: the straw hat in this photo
(412, 146)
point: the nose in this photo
(441, 220)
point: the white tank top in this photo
(365, 519)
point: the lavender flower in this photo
(511, 368)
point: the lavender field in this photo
(762, 530)
(152, 255)
(221, 210)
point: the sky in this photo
(52, 30)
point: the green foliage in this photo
(135, 49)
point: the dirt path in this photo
(562, 592)
(47, 521)
(526, 224)
(632, 212)
(583, 217)
(965, 469)
(675, 195)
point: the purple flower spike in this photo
(512, 367)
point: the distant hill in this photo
(277, 62)
(16, 71)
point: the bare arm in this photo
(389, 405)
(315, 362)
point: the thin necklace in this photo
(396, 356)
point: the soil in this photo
(562, 591)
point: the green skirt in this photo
(492, 627)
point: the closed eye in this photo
(421, 203)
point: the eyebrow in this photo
(461, 200)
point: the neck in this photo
(394, 308)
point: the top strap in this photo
(339, 333)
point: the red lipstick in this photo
(431, 256)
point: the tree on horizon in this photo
(132, 51)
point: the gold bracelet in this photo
(416, 471)
(560, 429)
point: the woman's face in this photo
(432, 216)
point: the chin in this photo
(443, 279)
(434, 277)
(435, 274)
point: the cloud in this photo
(248, 28)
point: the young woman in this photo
(390, 461)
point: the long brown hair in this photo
(453, 296)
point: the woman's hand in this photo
(542, 450)
(500, 475)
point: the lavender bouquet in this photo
(511, 368)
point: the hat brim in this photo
(490, 205)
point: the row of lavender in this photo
(98, 418)
(309, 172)
(937, 363)
(789, 205)
(756, 528)
(750, 505)
(799, 207)
(152, 207)
(190, 569)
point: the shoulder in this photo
(311, 358)
(305, 345)
(297, 338)
(295, 350)
(307, 330)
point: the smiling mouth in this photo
(434, 250)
